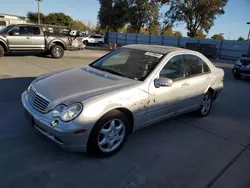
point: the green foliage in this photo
(78, 25)
(113, 14)
(196, 14)
(218, 37)
(58, 19)
(178, 34)
(167, 30)
(33, 17)
(241, 39)
(199, 34)
(153, 25)
(53, 18)
(137, 14)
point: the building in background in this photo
(8, 19)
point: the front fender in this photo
(134, 100)
(4, 42)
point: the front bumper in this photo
(62, 134)
(241, 70)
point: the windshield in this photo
(6, 29)
(130, 63)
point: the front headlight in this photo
(239, 63)
(67, 113)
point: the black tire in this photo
(93, 146)
(100, 43)
(57, 51)
(209, 98)
(86, 42)
(237, 75)
(1, 51)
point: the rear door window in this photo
(174, 69)
(35, 30)
(196, 65)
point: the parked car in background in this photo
(26, 37)
(93, 39)
(96, 107)
(242, 67)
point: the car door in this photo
(19, 38)
(169, 100)
(37, 38)
(92, 39)
(199, 78)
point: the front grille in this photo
(37, 101)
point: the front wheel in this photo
(237, 75)
(206, 105)
(1, 51)
(100, 43)
(57, 51)
(109, 134)
(86, 42)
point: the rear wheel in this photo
(57, 51)
(206, 105)
(109, 134)
(1, 51)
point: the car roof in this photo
(155, 48)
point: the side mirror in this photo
(163, 82)
(243, 55)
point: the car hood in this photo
(77, 85)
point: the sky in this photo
(232, 23)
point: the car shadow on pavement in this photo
(26, 54)
(12, 88)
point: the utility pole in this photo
(38, 15)
(248, 33)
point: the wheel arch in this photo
(57, 42)
(4, 46)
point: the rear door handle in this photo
(208, 78)
(28, 38)
(186, 84)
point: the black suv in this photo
(242, 66)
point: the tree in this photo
(153, 23)
(78, 25)
(199, 34)
(218, 37)
(167, 30)
(33, 17)
(241, 39)
(113, 14)
(119, 14)
(104, 14)
(196, 14)
(58, 19)
(177, 34)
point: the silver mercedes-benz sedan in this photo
(95, 108)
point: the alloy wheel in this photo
(111, 135)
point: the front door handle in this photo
(186, 84)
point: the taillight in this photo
(70, 41)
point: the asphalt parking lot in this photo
(183, 152)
